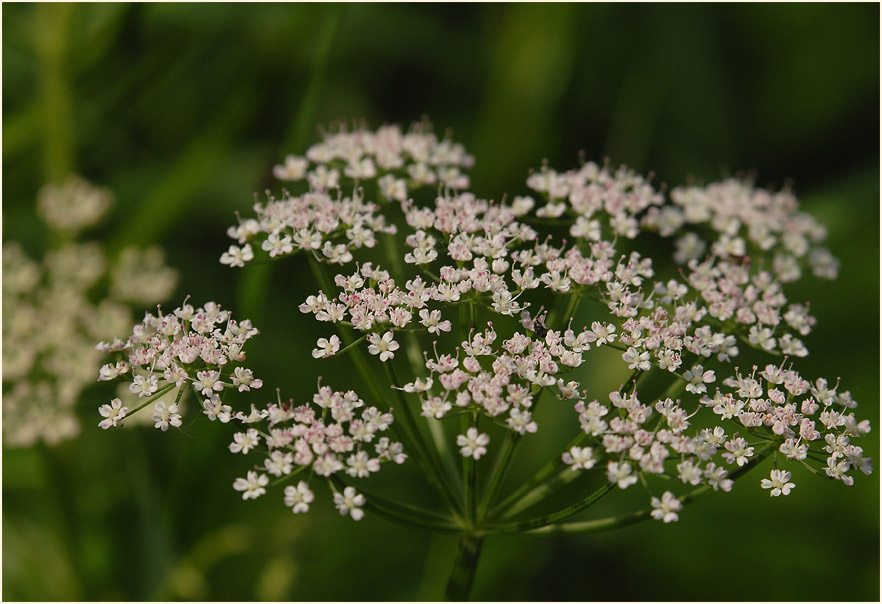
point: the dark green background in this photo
(183, 109)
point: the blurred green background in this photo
(182, 109)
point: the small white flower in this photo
(207, 382)
(580, 458)
(621, 474)
(472, 444)
(114, 412)
(279, 463)
(326, 348)
(237, 256)
(166, 416)
(144, 385)
(384, 346)
(637, 360)
(294, 168)
(244, 441)
(666, 508)
(349, 502)
(778, 483)
(215, 409)
(252, 487)
(245, 380)
(697, 378)
(298, 498)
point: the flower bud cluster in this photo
(335, 433)
(55, 310)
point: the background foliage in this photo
(183, 109)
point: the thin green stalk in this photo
(346, 335)
(547, 471)
(533, 490)
(499, 470)
(470, 481)
(534, 523)
(463, 322)
(156, 396)
(563, 477)
(432, 466)
(439, 439)
(570, 310)
(502, 461)
(349, 347)
(436, 431)
(465, 564)
(52, 46)
(407, 515)
(593, 526)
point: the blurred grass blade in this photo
(169, 201)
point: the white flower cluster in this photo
(478, 254)
(55, 310)
(739, 220)
(201, 347)
(468, 269)
(398, 161)
(335, 433)
(330, 227)
(73, 205)
(776, 408)
(322, 221)
(371, 301)
(583, 194)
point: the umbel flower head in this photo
(489, 313)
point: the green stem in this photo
(568, 313)
(345, 334)
(462, 576)
(156, 396)
(502, 461)
(414, 355)
(541, 476)
(431, 466)
(563, 477)
(52, 45)
(404, 514)
(533, 490)
(350, 346)
(511, 442)
(534, 523)
(470, 477)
